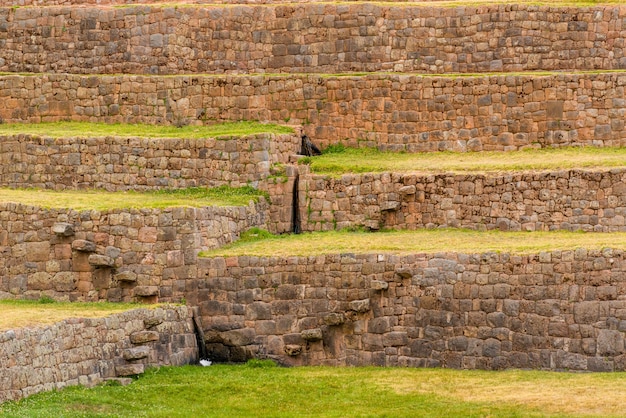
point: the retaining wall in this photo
(538, 201)
(115, 164)
(309, 37)
(115, 255)
(392, 112)
(87, 352)
(553, 310)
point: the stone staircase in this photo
(398, 76)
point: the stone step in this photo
(398, 112)
(312, 37)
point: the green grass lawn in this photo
(102, 200)
(262, 244)
(258, 390)
(87, 129)
(28, 313)
(338, 160)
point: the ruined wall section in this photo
(327, 38)
(552, 310)
(115, 255)
(540, 201)
(392, 112)
(87, 352)
(116, 164)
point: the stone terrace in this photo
(470, 78)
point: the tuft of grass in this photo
(87, 129)
(102, 200)
(30, 313)
(244, 391)
(419, 241)
(337, 160)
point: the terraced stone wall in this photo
(539, 201)
(116, 255)
(552, 310)
(326, 38)
(115, 164)
(89, 351)
(392, 112)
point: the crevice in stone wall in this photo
(295, 210)
(199, 331)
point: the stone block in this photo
(129, 369)
(65, 281)
(314, 334)
(360, 306)
(334, 318)
(126, 276)
(63, 229)
(379, 285)
(142, 337)
(293, 350)
(146, 291)
(239, 337)
(98, 260)
(136, 353)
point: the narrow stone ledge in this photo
(334, 319)
(360, 306)
(84, 245)
(314, 334)
(98, 260)
(142, 337)
(136, 353)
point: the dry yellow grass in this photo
(102, 200)
(556, 393)
(22, 314)
(364, 160)
(420, 241)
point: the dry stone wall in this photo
(559, 310)
(115, 255)
(90, 351)
(539, 201)
(115, 164)
(310, 37)
(392, 112)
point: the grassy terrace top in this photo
(86, 129)
(337, 160)
(28, 313)
(101, 200)
(257, 243)
(408, 3)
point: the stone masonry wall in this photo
(115, 255)
(139, 163)
(326, 38)
(553, 310)
(90, 351)
(392, 112)
(540, 201)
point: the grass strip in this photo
(256, 389)
(338, 160)
(442, 4)
(29, 313)
(102, 200)
(262, 244)
(88, 129)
